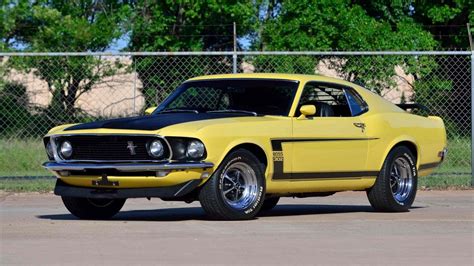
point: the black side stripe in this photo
(311, 175)
(276, 143)
(428, 165)
(278, 162)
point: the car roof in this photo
(297, 77)
(375, 102)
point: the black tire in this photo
(217, 204)
(93, 209)
(269, 204)
(382, 196)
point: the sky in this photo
(121, 43)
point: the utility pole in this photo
(234, 56)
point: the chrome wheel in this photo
(239, 186)
(401, 179)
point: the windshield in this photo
(260, 96)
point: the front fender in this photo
(266, 147)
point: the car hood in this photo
(153, 122)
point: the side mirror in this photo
(149, 110)
(307, 110)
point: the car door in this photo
(332, 143)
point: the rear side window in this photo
(356, 104)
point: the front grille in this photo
(111, 148)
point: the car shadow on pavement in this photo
(197, 213)
(313, 209)
(164, 215)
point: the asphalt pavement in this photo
(341, 229)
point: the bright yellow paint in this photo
(338, 156)
(307, 110)
(172, 179)
(386, 125)
(150, 110)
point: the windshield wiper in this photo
(179, 111)
(233, 111)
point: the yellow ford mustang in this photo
(239, 142)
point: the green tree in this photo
(13, 108)
(57, 26)
(310, 25)
(184, 26)
(445, 19)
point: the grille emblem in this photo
(131, 147)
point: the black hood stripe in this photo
(153, 122)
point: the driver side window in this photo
(331, 100)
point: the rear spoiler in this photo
(413, 106)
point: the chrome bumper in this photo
(442, 154)
(125, 167)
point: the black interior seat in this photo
(324, 109)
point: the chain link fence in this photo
(41, 90)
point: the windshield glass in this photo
(261, 96)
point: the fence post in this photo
(472, 118)
(135, 87)
(234, 55)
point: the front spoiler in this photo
(125, 167)
(63, 189)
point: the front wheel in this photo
(269, 203)
(395, 187)
(236, 190)
(85, 208)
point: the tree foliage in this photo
(310, 25)
(184, 25)
(93, 25)
(56, 26)
(447, 20)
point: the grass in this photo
(458, 159)
(20, 160)
(445, 182)
(27, 184)
(22, 157)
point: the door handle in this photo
(360, 125)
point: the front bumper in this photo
(176, 191)
(125, 167)
(128, 175)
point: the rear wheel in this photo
(86, 208)
(236, 190)
(395, 187)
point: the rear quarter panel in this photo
(426, 133)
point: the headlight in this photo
(49, 150)
(195, 149)
(66, 149)
(155, 149)
(186, 149)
